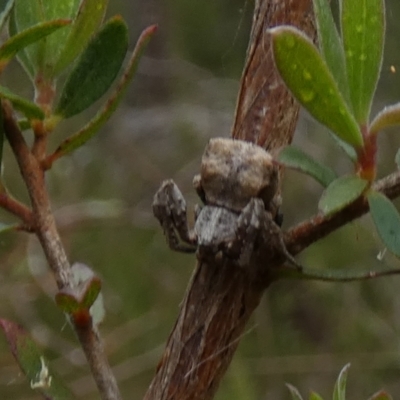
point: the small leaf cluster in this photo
(339, 391)
(66, 41)
(336, 84)
(72, 58)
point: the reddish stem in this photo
(366, 161)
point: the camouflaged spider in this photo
(238, 182)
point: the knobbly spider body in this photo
(238, 182)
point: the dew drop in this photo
(307, 76)
(290, 42)
(307, 95)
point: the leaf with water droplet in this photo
(330, 44)
(297, 57)
(341, 192)
(363, 30)
(387, 221)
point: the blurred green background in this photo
(183, 94)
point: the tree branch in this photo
(45, 228)
(319, 226)
(221, 297)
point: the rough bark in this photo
(221, 297)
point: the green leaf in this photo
(363, 31)
(29, 109)
(333, 275)
(294, 392)
(381, 395)
(68, 300)
(88, 19)
(91, 296)
(91, 291)
(309, 79)
(341, 192)
(96, 69)
(387, 221)
(32, 363)
(5, 9)
(31, 35)
(89, 130)
(42, 55)
(339, 392)
(315, 396)
(350, 152)
(295, 158)
(22, 57)
(331, 45)
(389, 116)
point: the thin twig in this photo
(16, 208)
(319, 226)
(46, 230)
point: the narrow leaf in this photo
(96, 69)
(5, 11)
(341, 192)
(41, 56)
(315, 396)
(339, 392)
(91, 296)
(32, 363)
(91, 292)
(387, 221)
(389, 116)
(31, 35)
(88, 19)
(22, 56)
(29, 109)
(333, 275)
(68, 300)
(363, 31)
(295, 158)
(331, 45)
(89, 130)
(309, 79)
(381, 395)
(348, 150)
(294, 392)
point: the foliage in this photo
(336, 85)
(57, 41)
(339, 391)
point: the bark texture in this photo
(221, 297)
